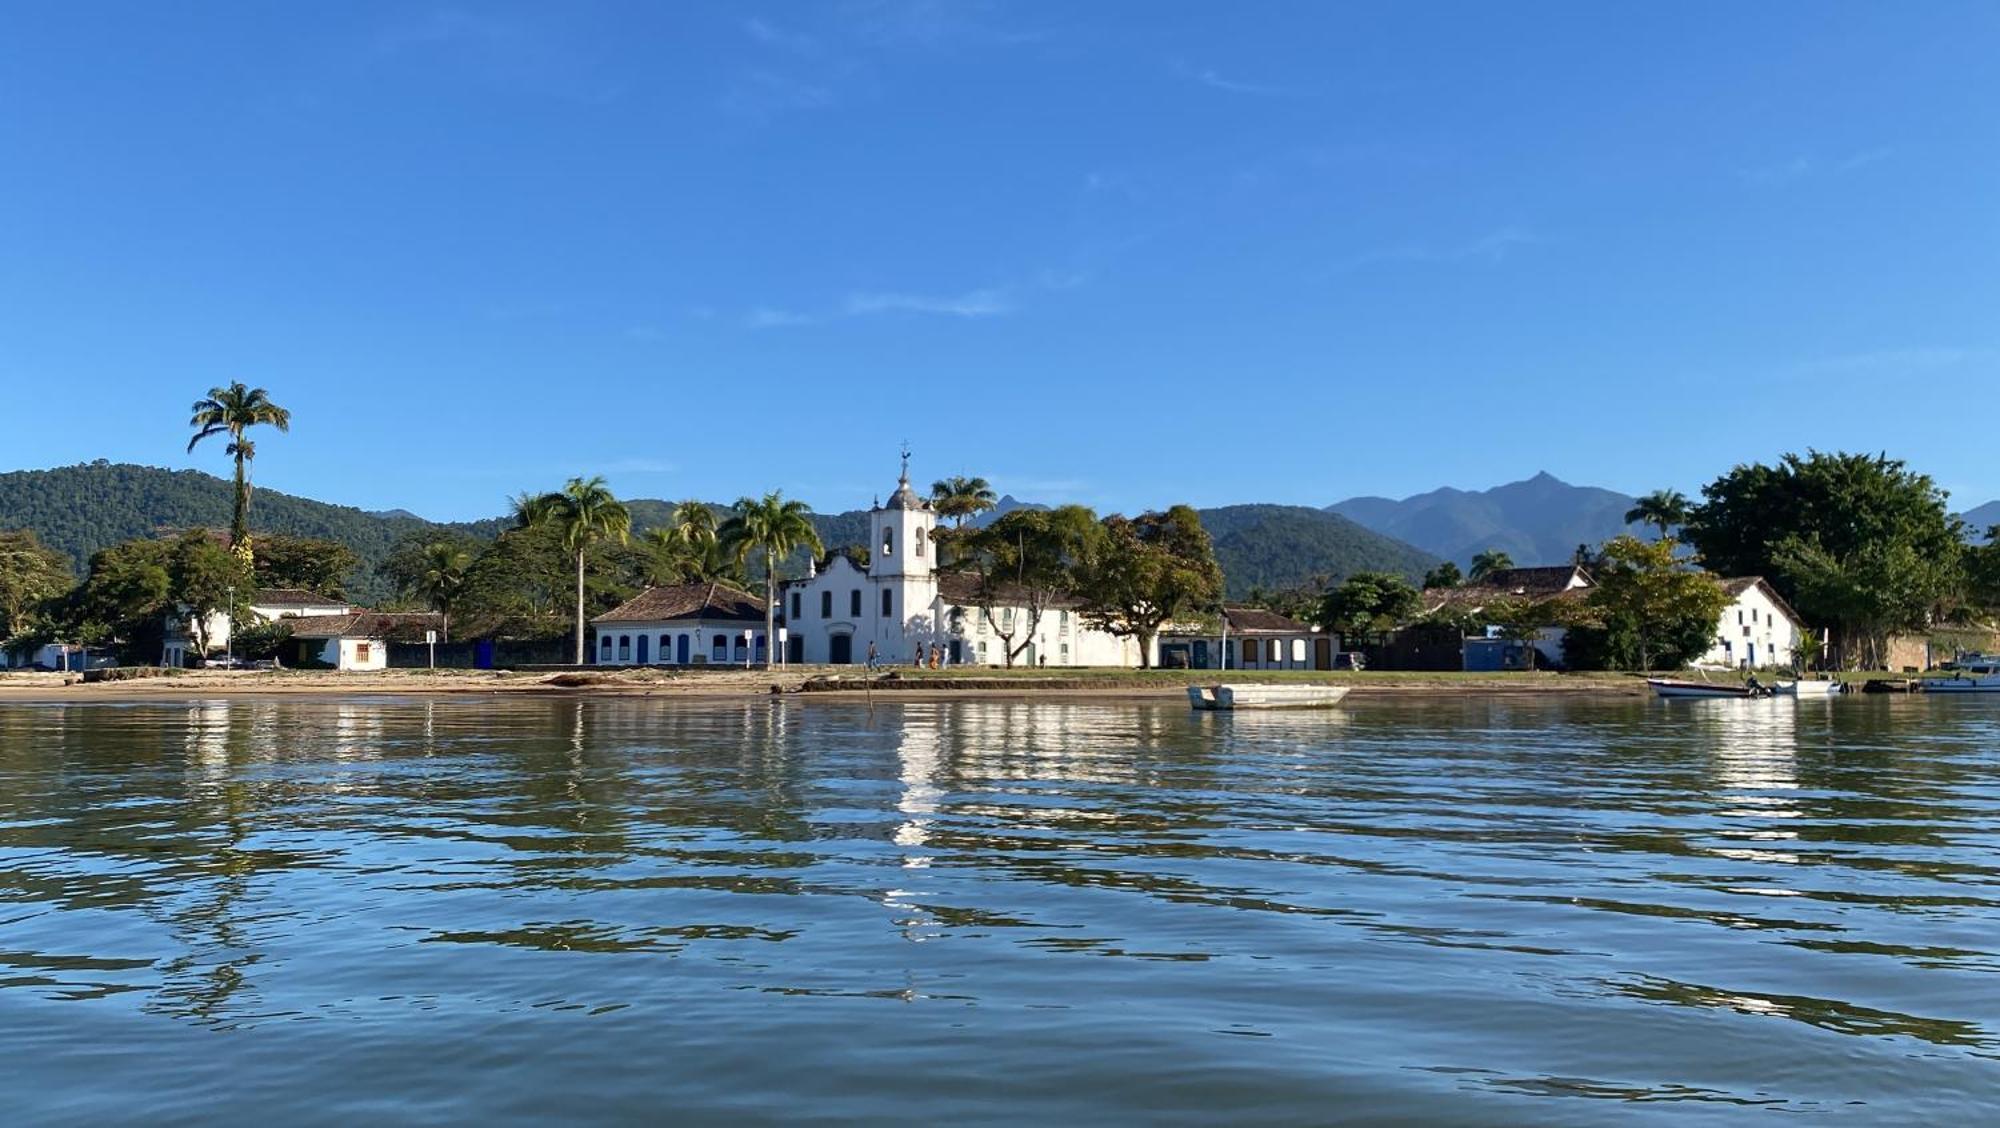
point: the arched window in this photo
(605, 648)
(889, 542)
(919, 550)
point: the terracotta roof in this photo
(366, 624)
(1256, 620)
(687, 601)
(293, 597)
(962, 589)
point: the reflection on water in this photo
(633, 909)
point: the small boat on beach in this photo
(1220, 698)
(1976, 673)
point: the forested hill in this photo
(81, 509)
(1284, 546)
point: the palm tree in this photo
(1488, 562)
(776, 528)
(447, 569)
(960, 498)
(668, 560)
(1663, 509)
(582, 513)
(232, 411)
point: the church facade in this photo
(902, 606)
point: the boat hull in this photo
(1664, 688)
(1988, 684)
(1808, 687)
(1227, 698)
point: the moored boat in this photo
(1210, 698)
(1675, 687)
(1808, 687)
(1975, 674)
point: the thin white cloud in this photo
(991, 302)
(976, 303)
(1892, 361)
(1209, 77)
(782, 38)
(1802, 167)
(1492, 247)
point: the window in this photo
(1249, 651)
(624, 648)
(1007, 620)
(605, 647)
(1739, 616)
(888, 603)
(826, 605)
(361, 651)
(1299, 651)
(920, 541)
(854, 604)
(1273, 652)
(982, 650)
(1065, 653)
(720, 652)
(1062, 624)
(888, 542)
(797, 599)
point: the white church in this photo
(902, 606)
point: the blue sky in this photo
(1124, 254)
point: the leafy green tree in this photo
(773, 527)
(1665, 510)
(582, 513)
(1823, 528)
(1982, 574)
(32, 577)
(206, 579)
(1488, 562)
(1141, 572)
(125, 598)
(231, 411)
(961, 498)
(1369, 603)
(1028, 559)
(444, 579)
(1643, 590)
(309, 563)
(1445, 575)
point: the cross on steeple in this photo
(906, 462)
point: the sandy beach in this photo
(800, 683)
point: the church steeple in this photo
(900, 530)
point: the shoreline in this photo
(786, 685)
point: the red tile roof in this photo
(687, 601)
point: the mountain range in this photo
(1981, 518)
(1540, 520)
(81, 509)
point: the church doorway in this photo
(840, 650)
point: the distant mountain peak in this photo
(1535, 520)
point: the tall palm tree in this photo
(447, 571)
(1488, 562)
(582, 513)
(668, 559)
(961, 498)
(232, 411)
(774, 527)
(1663, 509)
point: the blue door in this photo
(681, 651)
(641, 653)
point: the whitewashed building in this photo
(265, 605)
(358, 640)
(711, 624)
(1248, 638)
(901, 605)
(1757, 629)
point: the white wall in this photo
(1754, 631)
(663, 642)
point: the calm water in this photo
(634, 910)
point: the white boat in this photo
(1225, 697)
(1808, 687)
(1976, 673)
(1674, 687)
